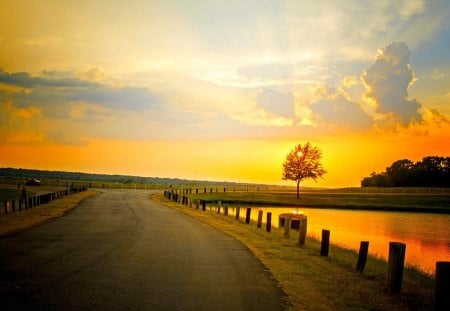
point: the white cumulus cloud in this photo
(387, 82)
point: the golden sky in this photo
(223, 90)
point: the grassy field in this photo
(25, 219)
(9, 194)
(313, 282)
(369, 201)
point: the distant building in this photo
(33, 182)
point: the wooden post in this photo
(302, 231)
(13, 206)
(196, 203)
(247, 215)
(260, 217)
(218, 208)
(225, 210)
(325, 245)
(269, 222)
(442, 297)
(362, 256)
(396, 263)
(287, 226)
(203, 205)
(238, 211)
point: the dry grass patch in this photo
(25, 219)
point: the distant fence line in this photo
(282, 189)
(396, 259)
(63, 184)
(231, 187)
(287, 189)
(24, 203)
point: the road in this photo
(122, 251)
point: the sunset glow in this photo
(223, 90)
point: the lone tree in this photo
(301, 163)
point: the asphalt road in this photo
(121, 251)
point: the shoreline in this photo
(366, 202)
(372, 208)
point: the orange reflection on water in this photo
(427, 236)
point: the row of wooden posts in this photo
(396, 258)
(13, 206)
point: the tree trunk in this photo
(298, 189)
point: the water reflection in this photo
(427, 236)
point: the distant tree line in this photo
(103, 178)
(432, 171)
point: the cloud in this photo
(276, 103)
(269, 71)
(265, 74)
(387, 82)
(437, 75)
(435, 117)
(409, 8)
(339, 111)
(54, 96)
(127, 98)
(24, 79)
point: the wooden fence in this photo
(24, 203)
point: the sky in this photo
(223, 90)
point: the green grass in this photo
(313, 282)
(370, 201)
(9, 194)
(25, 219)
(12, 193)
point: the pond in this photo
(427, 236)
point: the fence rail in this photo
(26, 202)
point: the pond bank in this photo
(422, 203)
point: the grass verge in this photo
(362, 201)
(313, 282)
(25, 219)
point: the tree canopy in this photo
(432, 171)
(303, 162)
